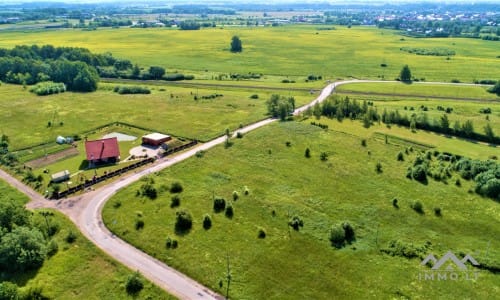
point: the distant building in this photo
(60, 176)
(105, 150)
(155, 139)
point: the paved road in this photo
(85, 211)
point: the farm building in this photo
(105, 150)
(60, 176)
(155, 139)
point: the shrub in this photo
(48, 88)
(8, 291)
(254, 96)
(307, 153)
(262, 233)
(457, 182)
(70, 237)
(408, 250)
(236, 196)
(139, 224)
(288, 143)
(207, 222)
(229, 211)
(418, 207)
(395, 202)
(246, 191)
(349, 232)
(419, 173)
(124, 90)
(363, 142)
(183, 221)
(52, 248)
(378, 167)
(323, 156)
(175, 201)
(401, 156)
(296, 222)
(239, 135)
(219, 204)
(437, 211)
(117, 204)
(134, 284)
(337, 236)
(176, 188)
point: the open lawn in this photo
(78, 270)
(284, 50)
(282, 183)
(168, 109)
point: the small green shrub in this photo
(139, 224)
(337, 236)
(437, 211)
(229, 211)
(246, 191)
(70, 237)
(395, 203)
(207, 222)
(239, 135)
(134, 284)
(236, 195)
(363, 142)
(262, 233)
(418, 207)
(323, 156)
(378, 167)
(296, 222)
(175, 201)
(219, 204)
(307, 153)
(52, 248)
(183, 221)
(176, 187)
(400, 156)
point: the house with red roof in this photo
(105, 150)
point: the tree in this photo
(468, 128)
(156, 72)
(136, 71)
(134, 284)
(489, 132)
(236, 45)
(86, 80)
(495, 89)
(405, 74)
(445, 123)
(22, 249)
(183, 221)
(8, 291)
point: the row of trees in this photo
(336, 107)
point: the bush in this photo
(176, 188)
(395, 203)
(48, 88)
(171, 243)
(8, 291)
(296, 222)
(236, 196)
(254, 96)
(418, 207)
(219, 204)
(124, 90)
(262, 233)
(70, 237)
(229, 211)
(183, 221)
(419, 173)
(134, 284)
(349, 232)
(239, 135)
(307, 153)
(175, 201)
(363, 142)
(337, 236)
(207, 222)
(246, 191)
(437, 211)
(378, 167)
(139, 224)
(52, 248)
(400, 156)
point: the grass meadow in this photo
(283, 183)
(171, 110)
(78, 270)
(283, 51)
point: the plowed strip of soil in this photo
(52, 158)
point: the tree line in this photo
(340, 108)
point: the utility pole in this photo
(228, 277)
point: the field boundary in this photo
(417, 96)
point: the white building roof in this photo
(156, 136)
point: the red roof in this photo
(102, 149)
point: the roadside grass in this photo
(78, 270)
(297, 50)
(168, 109)
(421, 89)
(283, 183)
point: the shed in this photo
(155, 139)
(60, 176)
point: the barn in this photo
(155, 139)
(105, 150)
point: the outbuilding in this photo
(155, 139)
(60, 176)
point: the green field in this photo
(78, 270)
(283, 183)
(172, 111)
(284, 50)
